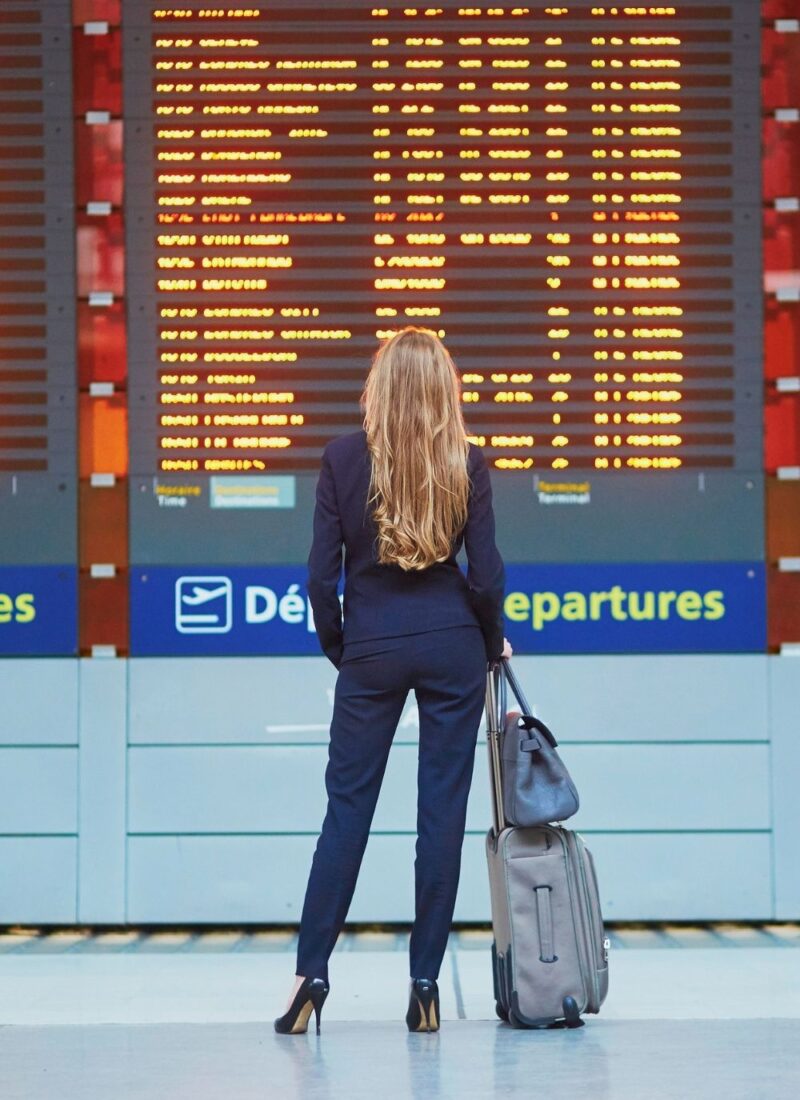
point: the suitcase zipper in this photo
(592, 926)
(574, 888)
(587, 921)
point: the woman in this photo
(401, 496)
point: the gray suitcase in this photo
(550, 954)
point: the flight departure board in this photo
(550, 188)
(568, 194)
(38, 388)
(38, 377)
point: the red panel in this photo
(102, 344)
(783, 608)
(98, 163)
(783, 519)
(102, 515)
(782, 424)
(780, 158)
(97, 66)
(103, 526)
(780, 68)
(100, 254)
(781, 241)
(103, 435)
(87, 11)
(780, 9)
(103, 608)
(782, 339)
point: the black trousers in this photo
(446, 669)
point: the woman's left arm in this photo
(325, 565)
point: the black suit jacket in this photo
(384, 600)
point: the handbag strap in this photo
(528, 719)
(516, 687)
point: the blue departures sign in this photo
(38, 610)
(653, 607)
(686, 607)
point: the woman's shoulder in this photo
(346, 445)
(475, 456)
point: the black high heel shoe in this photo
(310, 995)
(423, 1005)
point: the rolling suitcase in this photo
(550, 954)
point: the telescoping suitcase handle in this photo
(499, 674)
(495, 721)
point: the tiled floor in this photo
(693, 1012)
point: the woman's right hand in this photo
(507, 650)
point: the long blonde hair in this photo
(419, 486)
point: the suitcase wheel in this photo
(501, 1012)
(572, 1016)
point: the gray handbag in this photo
(537, 787)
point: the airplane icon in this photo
(203, 605)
